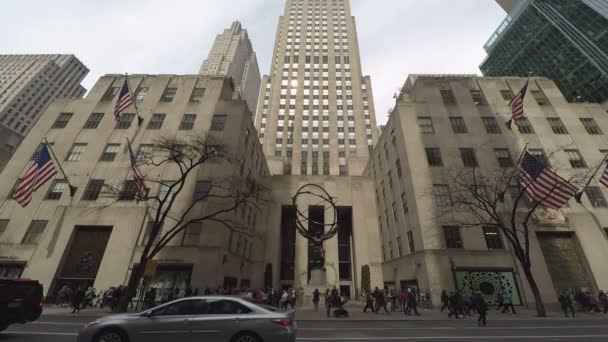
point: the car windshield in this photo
(260, 304)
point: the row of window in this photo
(448, 98)
(126, 119)
(453, 239)
(425, 125)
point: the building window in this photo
(493, 240)
(76, 152)
(540, 155)
(539, 97)
(398, 166)
(425, 124)
(91, 192)
(62, 120)
(187, 122)
(34, 231)
(197, 94)
(451, 234)
(597, 199)
(491, 125)
(3, 225)
(109, 95)
(524, 126)
(433, 156)
(458, 124)
(144, 152)
(141, 93)
(218, 122)
(109, 152)
(93, 121)
(477, 97)
(168, 95)
(56, 189)
(507, 95)
(448, 96)
(410, 241)
(442, 195)
(468, 157)
(127, 193)
(504, 157)
(557, 126)
(163, 190)
(125, 121)
(201, 191)
(404, 203)
(516, 193)
(343, 170)
(575, 158)
(591, 126)
(156, 122)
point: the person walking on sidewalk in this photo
(329, 302)
(499, 300)
(403, 300)
(411, 303)
(453, 305)
(77, 300)
(507, 302)
(369, 301)
(445, 301)
(315, 299)
(603, 299)
(381, 302)
(566, 303)
(480, 305)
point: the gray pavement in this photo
(64, 328)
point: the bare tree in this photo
(478, 200)
(169, 217)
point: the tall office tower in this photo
(28, 85)
(564, 40)
(316, 112)
(232, 55)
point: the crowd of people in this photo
(81, 298)
(405, 301)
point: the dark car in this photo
(21, 301)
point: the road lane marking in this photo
(459, 328)
(407, 338)
(40, 333)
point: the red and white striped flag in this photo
(604, 178)
(124, 100)
(40, 171)
(138, 176)
(517, 103)
(543, 185)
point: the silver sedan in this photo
(208, 318)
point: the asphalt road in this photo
(64, 329)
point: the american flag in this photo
(124, 100)
(138, 177)
(604, 178)
(40, 171)
(517, 103)
(543, 185)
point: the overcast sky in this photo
(396, 37)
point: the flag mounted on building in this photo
(39, 172)
(138, 176)
(517, 105)
(124, 100)
(604, 178)
(543, 185)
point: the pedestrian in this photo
(481, 307)
(381, 302)
(77, 300)
(565, 300)
(412, 303)
(603, 300)
(402, 300)
(315, 299)
(64, 295)
(507, 303)
(326, 297)
(590, 303)
(89, 296)
(393, 300)
(445, 301)
(369, 301)
(284, 299)
(499, 300)
(453, 307)
(329, 301)
(207, 291)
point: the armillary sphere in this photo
(302, 220)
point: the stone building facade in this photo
(442, 123)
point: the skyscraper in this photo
(316, 111)
(28, 85)
(232, 55)
(566, 41)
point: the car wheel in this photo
(111, 335)
(246, 337)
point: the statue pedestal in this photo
(318, 280)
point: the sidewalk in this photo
(355, 310)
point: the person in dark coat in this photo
(445, 301)
(315, 299)
(77, 300)
(480, 305)
(329, 302)
(381, 302)
(412, 303)
(453, 305)
(566, 303)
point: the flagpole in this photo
(140, 120)
(579, 195)
(72, 188)
(501, 195)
